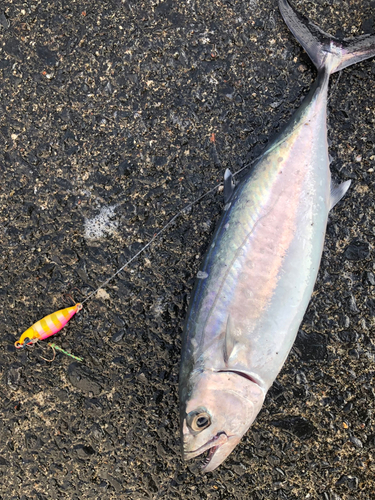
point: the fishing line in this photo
(53, 323)
(162, 230)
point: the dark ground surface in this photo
(114, 103)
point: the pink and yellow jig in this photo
(47, 326)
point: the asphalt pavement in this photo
(114, 115)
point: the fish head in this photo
(219, 409)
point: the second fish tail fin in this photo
(326, 51)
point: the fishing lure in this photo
(47, 326)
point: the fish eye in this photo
(198, 420)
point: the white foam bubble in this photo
(102, 224)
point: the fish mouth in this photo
(206, 461)
(210, 448)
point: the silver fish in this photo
(258, 275)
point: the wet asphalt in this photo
(113, 116)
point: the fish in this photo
(258, 275)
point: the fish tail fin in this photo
(326, 51)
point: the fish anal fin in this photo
(338, 191)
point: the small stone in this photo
(357, 442)
(118, 320)
(115, 483)
(160, 450)
(47, 56)
(125, 168)
(108, 88)
(4, 21)
(32, 441)
(348, 336)
(348, 407)
(142, 378)
(354, 353)
(345, 321)
(117, 336)
(103, 486)
(102, 294)
(298, 426)
(13, 377)
(350, 481)
(84, 452)
(301, 378)
(352, 305)
(357, 250)
(310, 346)
(334, 496)
(83, 379)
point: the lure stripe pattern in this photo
(48, 326)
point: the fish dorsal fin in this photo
(230, 340)
(338, 191)
(229, 185)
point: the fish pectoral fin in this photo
(338, 191)
(229, 185)
(230, 340)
